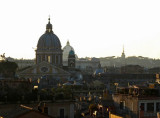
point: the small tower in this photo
(71, 60)
(123, 58)
(123, 54)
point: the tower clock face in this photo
(44, 69)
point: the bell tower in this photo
(71, 60)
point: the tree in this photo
(8, 69)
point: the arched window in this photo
(49, 59)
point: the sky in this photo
(95, 28)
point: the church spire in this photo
(123, 54)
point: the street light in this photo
(116, 84)
(38, 81)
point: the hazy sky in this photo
(95, 28)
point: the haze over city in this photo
(94, 28)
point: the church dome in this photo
(66, 51)
(71, 52)
(49, 40)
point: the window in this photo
(142, 107)
(61, 113)
(122, 105)
(46, 110)
(150, 107)
(43, 57)
(38, 58)
(158, 106)
(132, 106)
(49, 59)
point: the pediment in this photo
(44, 68)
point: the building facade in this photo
(137, 102)
(48, 58)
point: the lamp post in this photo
(100, 98)
(116, 84)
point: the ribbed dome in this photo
(49, 40)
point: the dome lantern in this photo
(49, 26)
(68, 43)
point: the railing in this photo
(147, 114)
